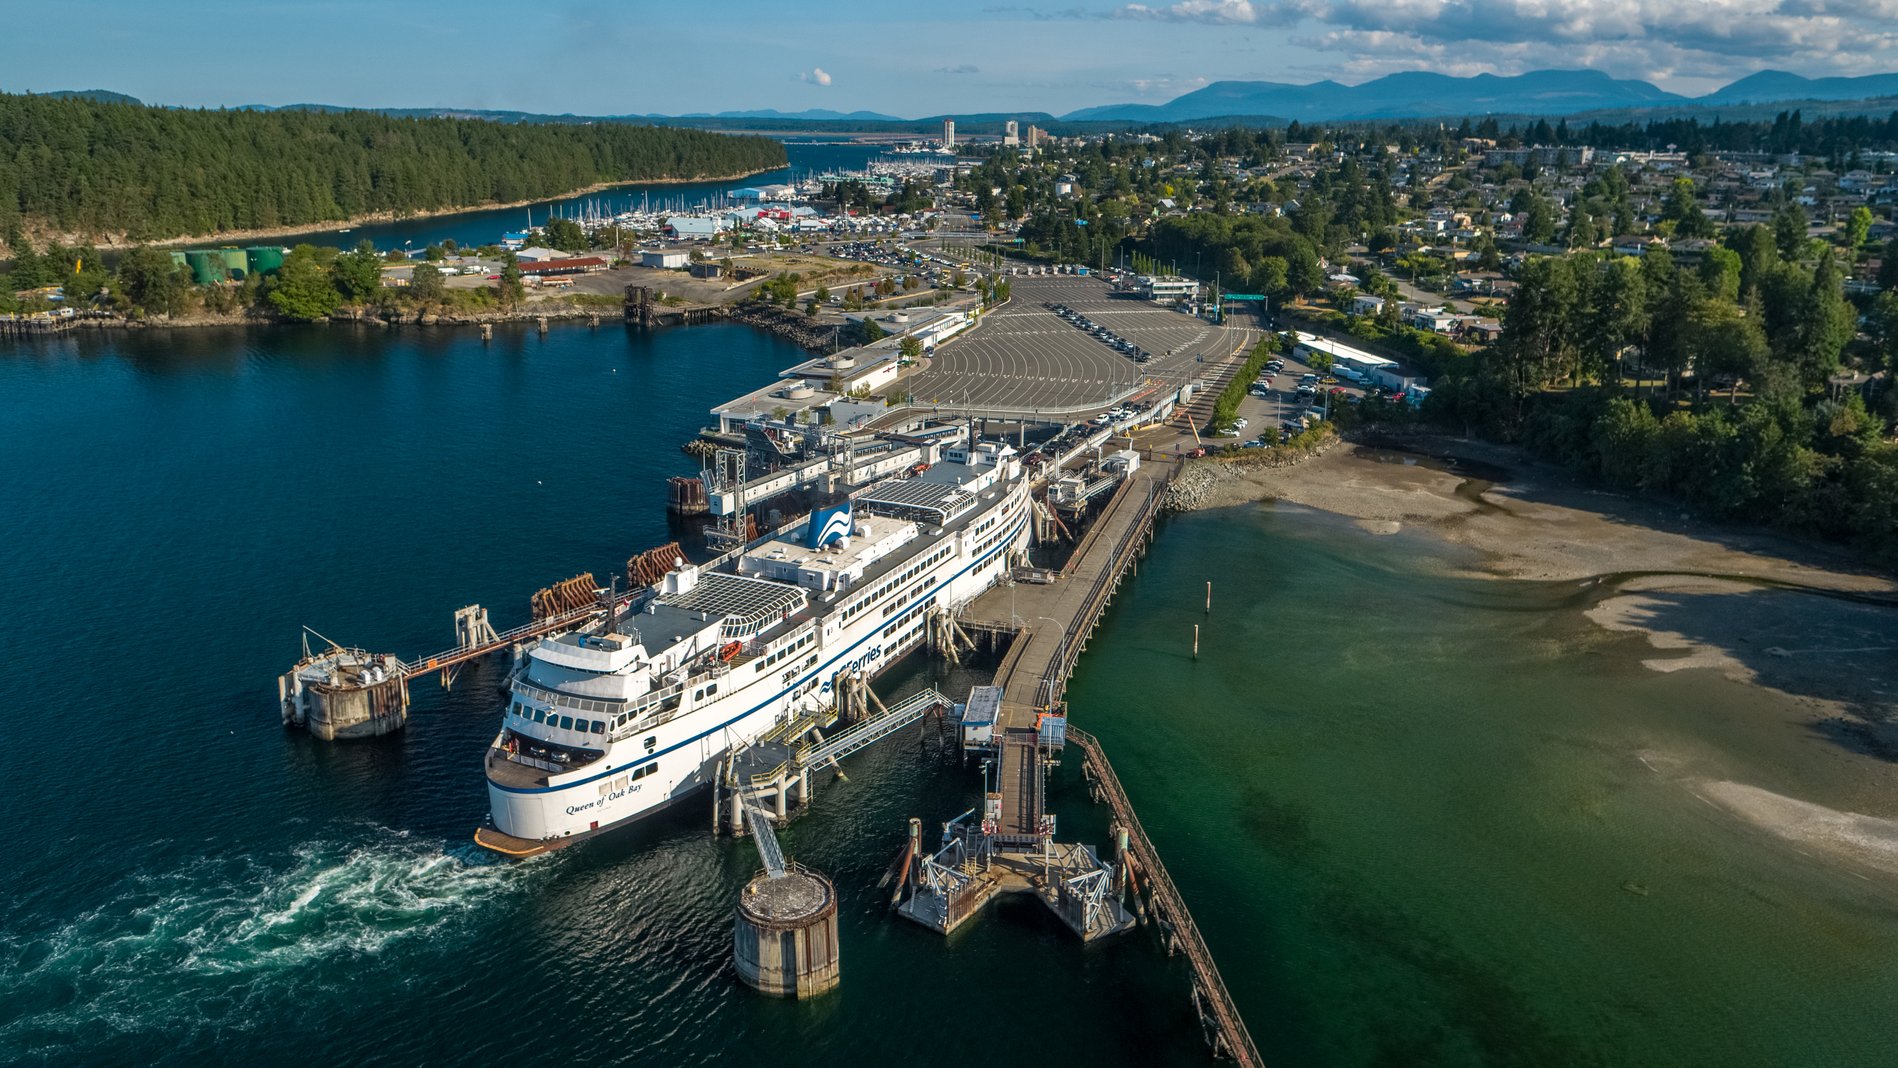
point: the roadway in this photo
(1025, 358)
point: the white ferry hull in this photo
(642, 774)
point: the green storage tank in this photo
(264, 259)
(207, 267)
(234, 263)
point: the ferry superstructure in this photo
(608, 725)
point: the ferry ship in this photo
(613, 723)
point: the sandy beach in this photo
(1530, 520)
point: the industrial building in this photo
(1168, 288)
(1355, 364)
(665, 259)
(555, 268)
(696, 227)
(210, 266)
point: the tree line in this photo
(100, 170)
(1717, 383)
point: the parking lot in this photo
(1276, 403)
(1025, 357)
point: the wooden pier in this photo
(1225, 1029)
(646, 309)
(39, 325)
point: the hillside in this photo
(107, 171)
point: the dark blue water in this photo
(474, 228)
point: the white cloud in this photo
(815, 76)
(1219, 12)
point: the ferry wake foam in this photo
(181, 951)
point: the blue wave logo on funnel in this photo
(831, 524)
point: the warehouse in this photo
(554, 268)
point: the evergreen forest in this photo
(74, 168)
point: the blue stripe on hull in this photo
(1000, 547)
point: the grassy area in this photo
(1226, 408)
(592, 300)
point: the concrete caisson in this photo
(345, 693)
(784, 939)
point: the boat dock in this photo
(337, 692)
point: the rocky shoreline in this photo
(790, 324)
(1211, 482)
(793, 326)
(360, 317)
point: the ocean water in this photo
(1420, 819)
(188, 882)
(1426, 819)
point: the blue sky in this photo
(898, 58)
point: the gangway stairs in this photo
(764, 837)
(870, 731)
(772, 771)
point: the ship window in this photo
(598, 727)
(566, 723)
(540, 715)
(650, 742)
(712, 689)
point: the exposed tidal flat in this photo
(1430, 802)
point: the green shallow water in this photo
(1436, 820)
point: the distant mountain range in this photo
(1409, 95)
(807, 115)
(1422, 94)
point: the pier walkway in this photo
(479, 642)
(1052, 622)
(1226, 1031)
(1020, 784)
